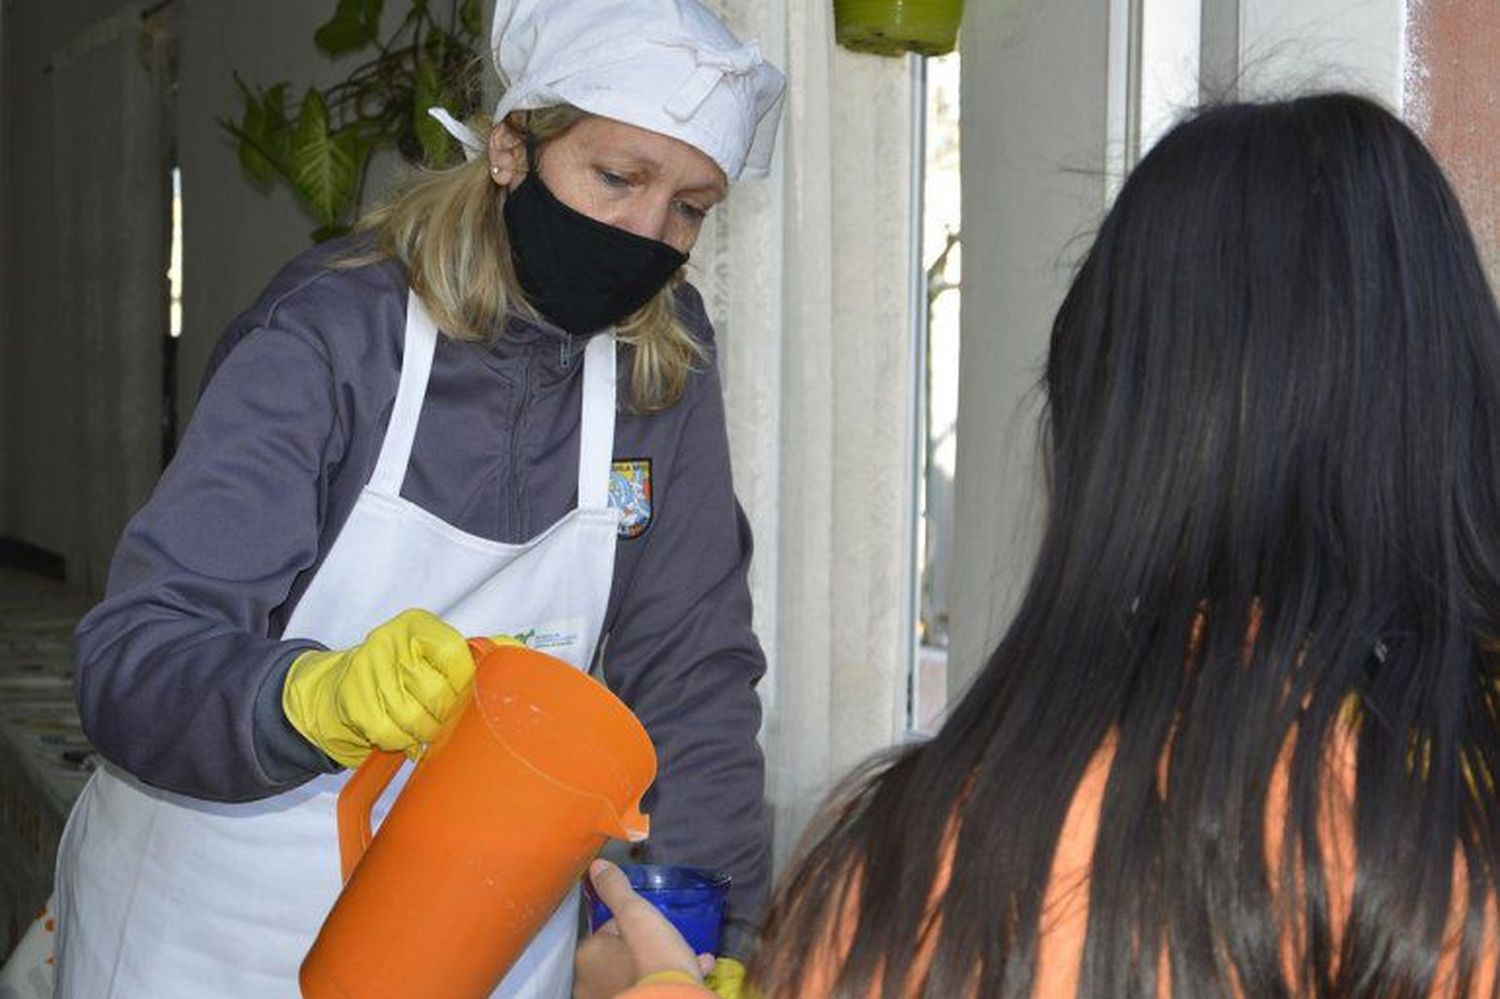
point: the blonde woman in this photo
(413, 436)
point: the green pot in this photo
(893, 27)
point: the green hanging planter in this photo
(893, 27)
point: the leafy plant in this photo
(323, 150)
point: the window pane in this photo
(941, 256)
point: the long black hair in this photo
(1273, 443)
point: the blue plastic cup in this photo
(691, 898)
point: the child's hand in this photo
(636, 943)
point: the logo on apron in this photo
(630, 493)
(551, 636)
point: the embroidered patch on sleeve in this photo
(630, 493)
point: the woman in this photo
(349, 462)
(1243, 735)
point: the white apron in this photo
(166, 897)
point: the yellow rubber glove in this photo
(728, 980)
(393, 691)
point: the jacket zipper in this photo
(515, 451)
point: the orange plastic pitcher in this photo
(496, 825)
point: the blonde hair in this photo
(448, 228)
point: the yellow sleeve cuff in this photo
(664, 977)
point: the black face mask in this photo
(579, 272)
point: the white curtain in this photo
(111, 102)
(807, 276)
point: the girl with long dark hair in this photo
(1242, 737)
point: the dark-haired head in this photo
(1273, 443)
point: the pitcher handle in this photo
(357, 799)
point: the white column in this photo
(807, 280)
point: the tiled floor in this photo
(44, 759)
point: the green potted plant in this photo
(894, 27)
(322, 149)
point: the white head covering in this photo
(670, 66)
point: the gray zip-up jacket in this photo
(179, 669)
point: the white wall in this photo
(1042, 120)
(234, 237)
(32, 379)
(7, 362)
(1035, 125)
(1171, 31)
(1346, 44)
